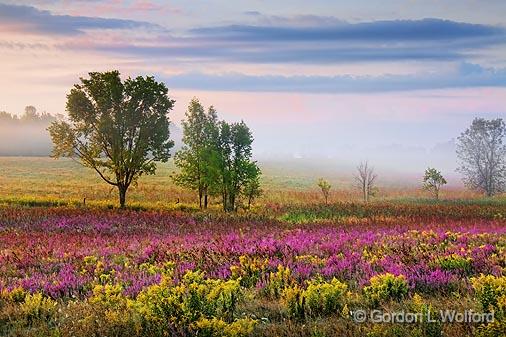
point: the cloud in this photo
(395, 30)
(468, 75)
(31, 19)
(329, 42)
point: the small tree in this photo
(482, 155)
(196, 160)
(119, 129)
(433, 180)
(366, 179)
(233, 162)
(325, 186)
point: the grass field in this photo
(42, 179)
(291, 266)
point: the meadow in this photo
(291, 266)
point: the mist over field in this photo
(309, 155)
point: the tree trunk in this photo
(205, 197)
(122, 196)
(200, 198)
(224, 197)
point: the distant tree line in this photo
(29, 116)
(25, 134)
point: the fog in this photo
(309, 154)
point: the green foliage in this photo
(117, 128)
(197, 159)
(325, 298)
(165, 305)
(325, 186)
(456, 262)
(216, 158)
(491, 292)
(234, 163)
(320, 298)
(432, 181)
(249, 270)
(38, 307)
(386, 287)
(278, 282)
(252, 189)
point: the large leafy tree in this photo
(482, 155)
(118, 128)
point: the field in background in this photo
(42, 179)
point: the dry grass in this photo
(45, 179)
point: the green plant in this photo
(491, 292)
(166, 305)
(249, 270)
(386, 287)
(325, 298)
(320, 298)
(278, 282)
(456, 262)
(38, 307)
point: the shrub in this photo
(249, 270)
(456, 262)
(386, 287)
(108, 295)
(294, 302)
(318, 299)
(325, 298)
(166, 305)
(17, 295)
(491, 292)
(496, 328)
(278, 281)
(37, 307)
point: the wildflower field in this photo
(281, 271)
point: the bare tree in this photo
(365, 180)
(482, 155)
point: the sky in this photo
(391, 81)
